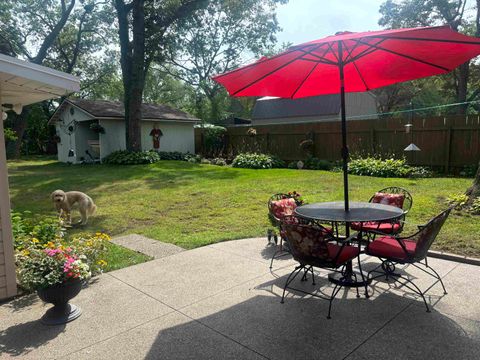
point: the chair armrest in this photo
(344, 240)
(377, 232)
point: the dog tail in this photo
(92, 208)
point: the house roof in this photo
(115, 110)
(311, 106)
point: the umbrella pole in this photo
(344, 128)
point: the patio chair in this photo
(395, 196)
(279, 206)
(312, 245)
(394, 250)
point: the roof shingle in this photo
(115, 109)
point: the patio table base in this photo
(348, 280)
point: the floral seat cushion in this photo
(389, 199)
(307, 242)
(283, 207)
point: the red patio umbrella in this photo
(352, 62)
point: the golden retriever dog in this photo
(65, 202)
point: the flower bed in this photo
(45, 257)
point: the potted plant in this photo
(96, 127)
(57, 274)
(54, 266)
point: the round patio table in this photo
(359, 212)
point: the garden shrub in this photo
(458, 201)
(219, 162)
(377, 167)
(171, 155)
(314, 163)
(214, 139)
(257, 161)
(192, 158)
(469, 171)
(39, 230)
(293, 165)
(475, 207)
(125, 157)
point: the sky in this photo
(305, 20)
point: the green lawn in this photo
(192, 205)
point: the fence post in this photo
(267, 143)
(447, 149)
(372, 139)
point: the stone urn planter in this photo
(60, 295)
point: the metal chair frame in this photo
(388, 265)
(330, 264)
(281, 251)
(407, 204)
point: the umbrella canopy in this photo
(352, 62)
(370, 60)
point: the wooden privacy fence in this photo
(449, 143)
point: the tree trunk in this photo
(474, 191)
(137, 77)
(132, 60)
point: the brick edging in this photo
(452, 257)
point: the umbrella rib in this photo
(303, 81)
(319, 61)
(425, 39)
(322, 57)
(365, 52)
(356, 68)
(273, 71)
(406, 56)
(350, 52)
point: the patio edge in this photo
(452, 257)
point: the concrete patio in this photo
(222, 302)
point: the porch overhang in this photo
(21, 83)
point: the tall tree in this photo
(412, 13)
(144, 30)
(60, 34)
(30, 28)
(219, 38)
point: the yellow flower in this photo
(102, 263)
(25, 252)
(35, 240)
(98, 234)
(89, 243)
(50, 244)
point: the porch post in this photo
(8, 283)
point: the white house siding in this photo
(114, 137)
(177, 136)
(68, 142)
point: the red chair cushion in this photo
(348, 252)
(283, 207)
(386, 228)
(389, 199)
(388, 247)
